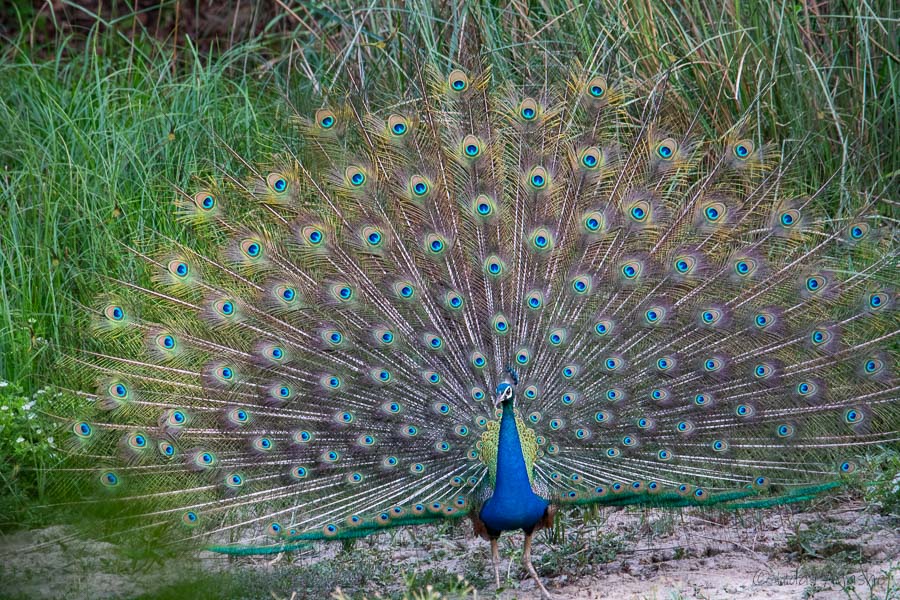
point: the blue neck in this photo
(512, 505)
(512, 475)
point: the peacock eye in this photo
(458, 80)
(597, 87)
(276, 182)
(666, 149)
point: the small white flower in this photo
(20, 439)
(28, 405)
(31, 416)
(4, 407)
(32, 320)
(3, 383)
(50, 440)
(38, 430)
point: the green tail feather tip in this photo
(725, 499)
(359, 531)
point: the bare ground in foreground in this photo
(824, 552)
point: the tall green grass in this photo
(93, 140)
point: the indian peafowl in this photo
(488, 300)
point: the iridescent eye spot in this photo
(612, 363)
(278, 183)
(789, 218)
(581, 284)
(531, 392)
(873, 366)
(815, 283)
(355, 176)
(472, 150)
(742, 267)
(684, 265)
(478, 394)
(631, 270)
(878, 300)
(313, 236)
(114, 313)
(664, 455)
(167, 342)
(535, 300)
(853, 416)
(743, 148)
(204, 201)
(528, 113)
(399, 128)
(719, 446)
(712, 213)
(603, 328)
(82, 430)
(179, 269)
(666, 149)
(109, 479)
(118, 390)
(325, 118)
(744, 410)
(701, 400)
(458, 81)
(785, 430)
(538, 177)
(596, 87)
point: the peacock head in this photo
(505, 394)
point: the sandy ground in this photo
(777, 554)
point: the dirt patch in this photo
(776, 554)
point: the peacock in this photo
(488, 300)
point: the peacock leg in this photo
(526, 560)
(495, 558)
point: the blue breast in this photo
(513, 505)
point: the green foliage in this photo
(27, 450)
(884, 477)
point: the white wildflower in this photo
(31, 416)
(3, 383)
(4, 407)
(32, 320)
(50, 440)
(20, 439)
(39, 430)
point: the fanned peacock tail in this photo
(684, 329)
